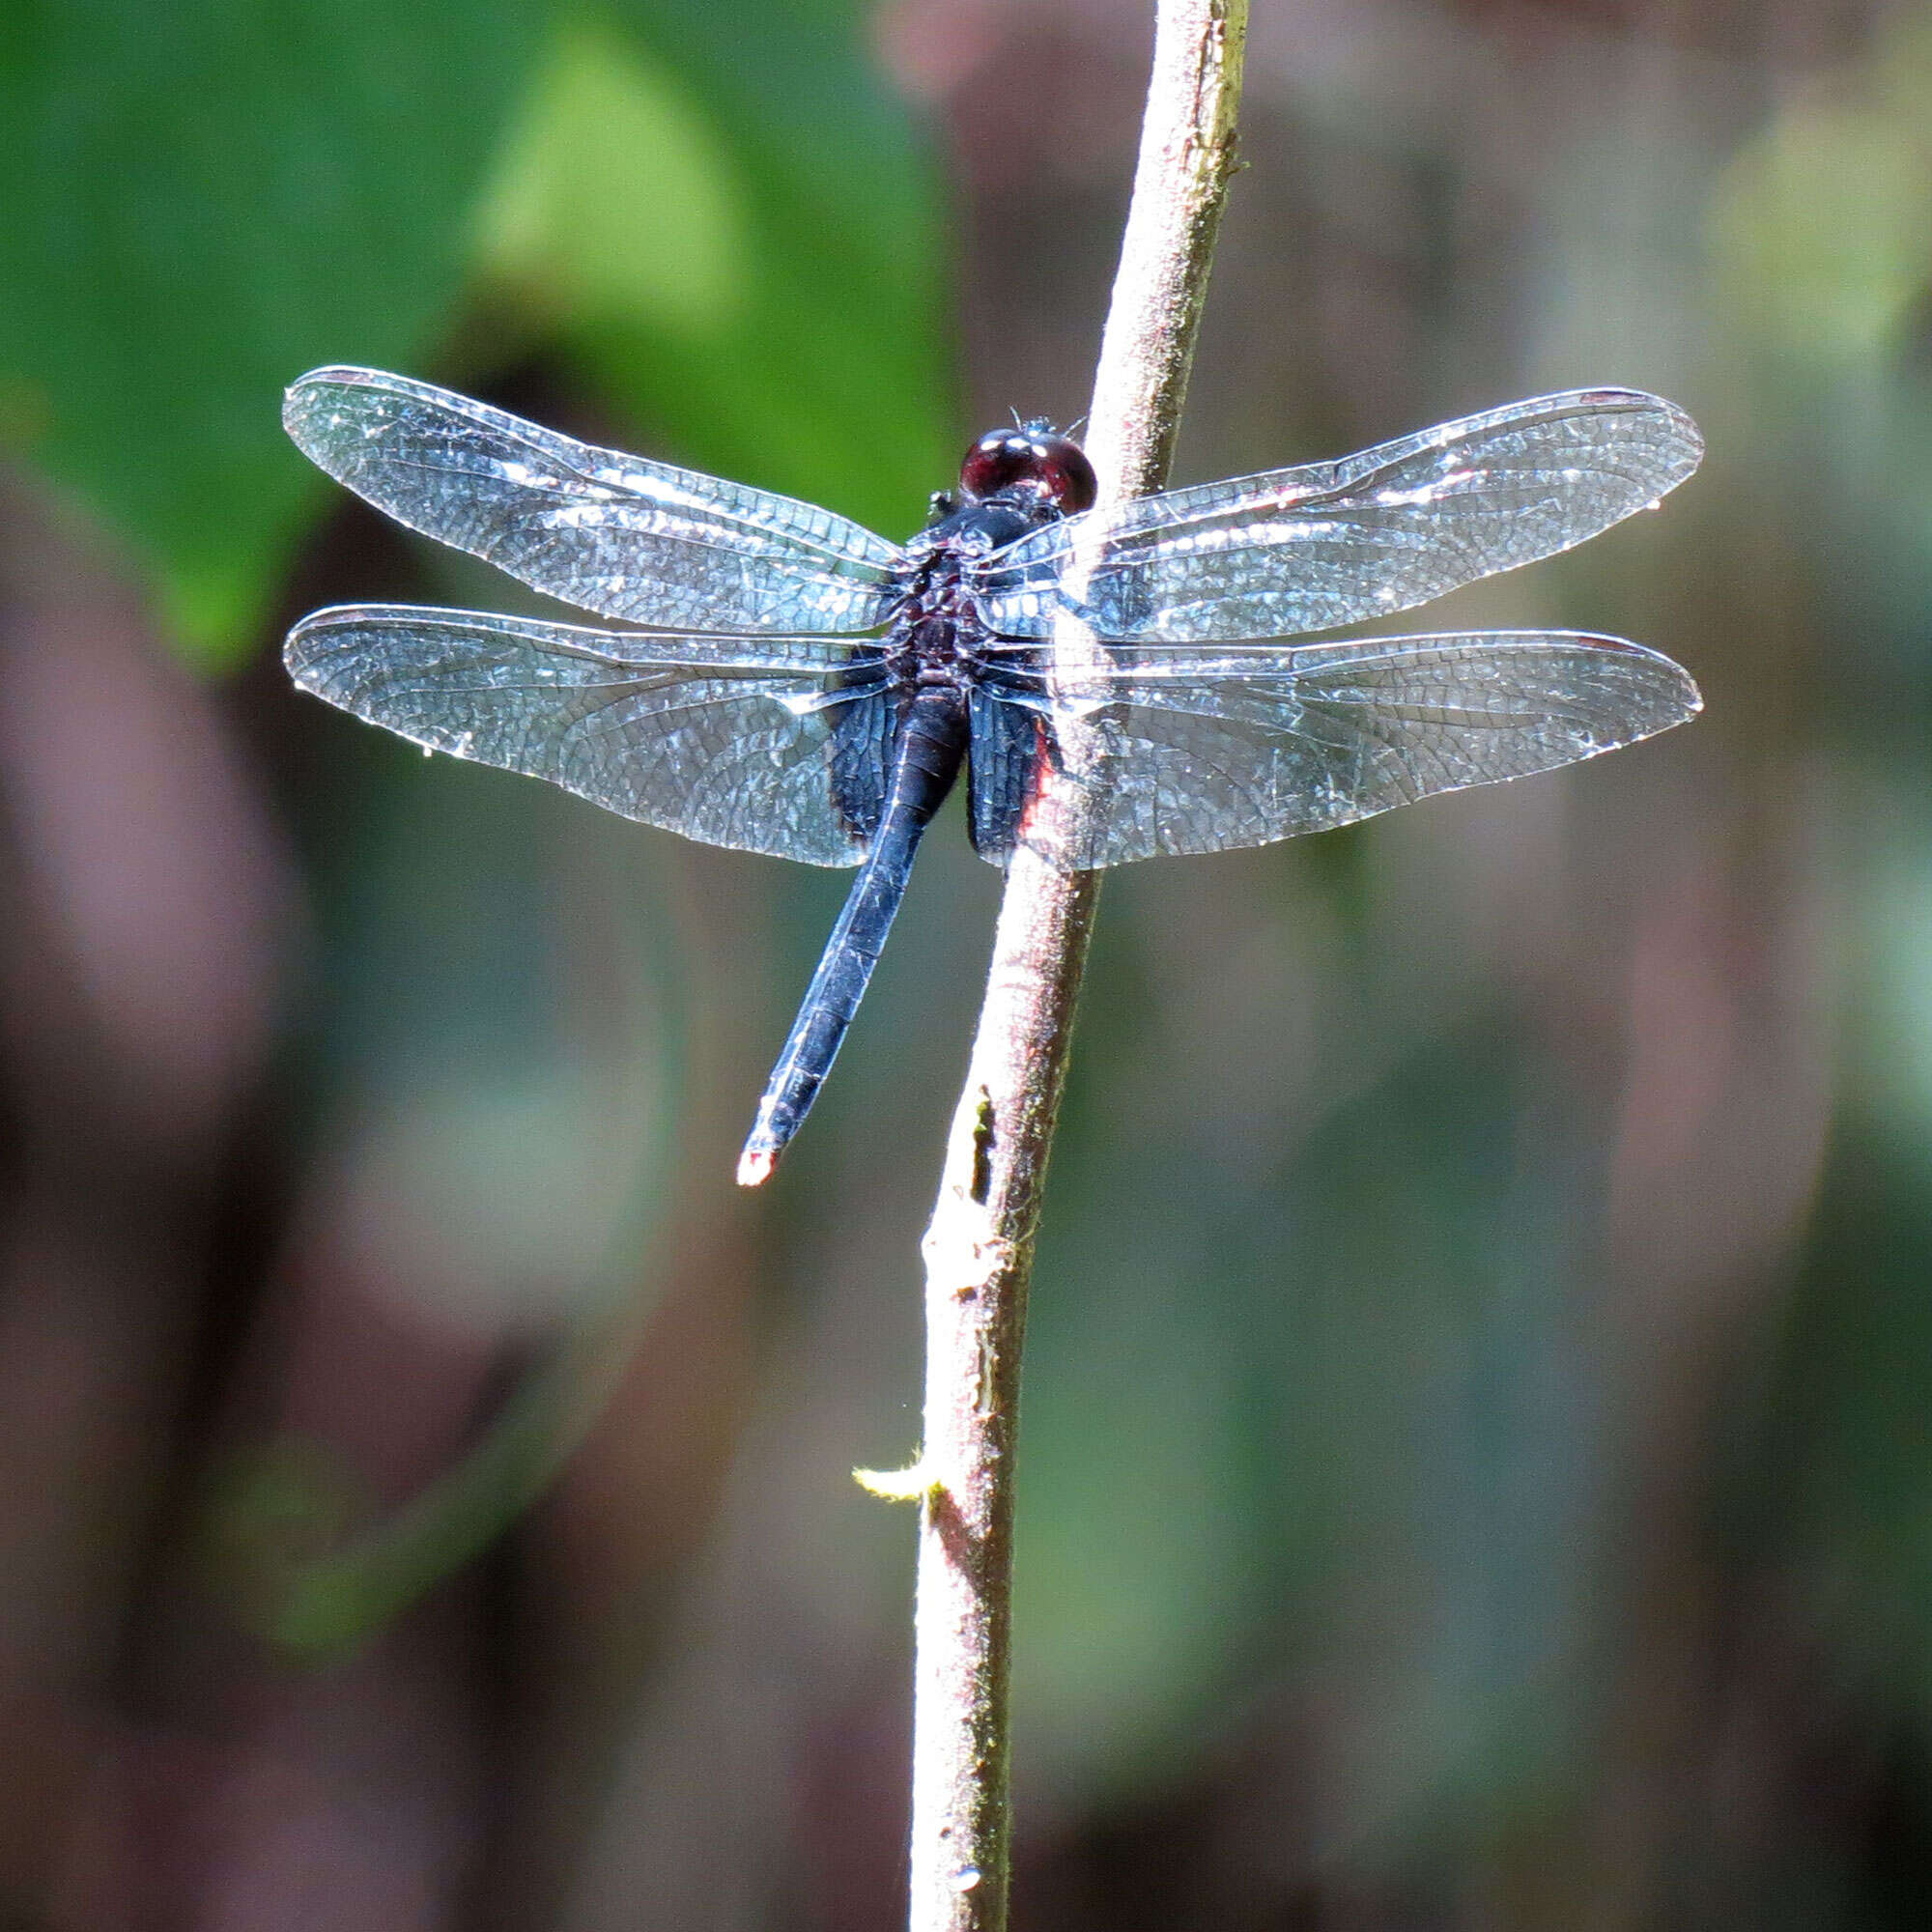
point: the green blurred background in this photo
(1478, 1446)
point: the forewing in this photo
(619, 535)
(772, 745)
(1199, 753)
(1295, 551)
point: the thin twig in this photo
(979, 1248)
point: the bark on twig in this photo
(979, 1248)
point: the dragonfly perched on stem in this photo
(798, 686)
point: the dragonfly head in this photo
(1032, 463)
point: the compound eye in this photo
(1061, 465)
(1033, 461)
(1000, 459)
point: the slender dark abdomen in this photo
(925, 761)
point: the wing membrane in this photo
(1199, 753)
(627, 538)
(772, 745)
(1295, 550)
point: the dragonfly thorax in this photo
(937, 629)
(937, 626)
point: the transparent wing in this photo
(1198, 753)
(1295, 550)
(773, 745)
(616, 534)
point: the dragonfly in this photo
(786, 682)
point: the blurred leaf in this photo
(1846, 1435)
(278, 1533)
(725, 219)
(271, 1513)
(1342, 1427)
(1135, 1571)
(201, 203)
(615, 197)
(1439, 1442)
(1823, 224)
(796, 337)
(500, 1163)
(1845, 1449)
(1897, 951)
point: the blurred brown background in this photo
(1478, 1447)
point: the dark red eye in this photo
(1000, 459)
(1066, 473)
(1032, 459)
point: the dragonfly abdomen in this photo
(927, 755)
